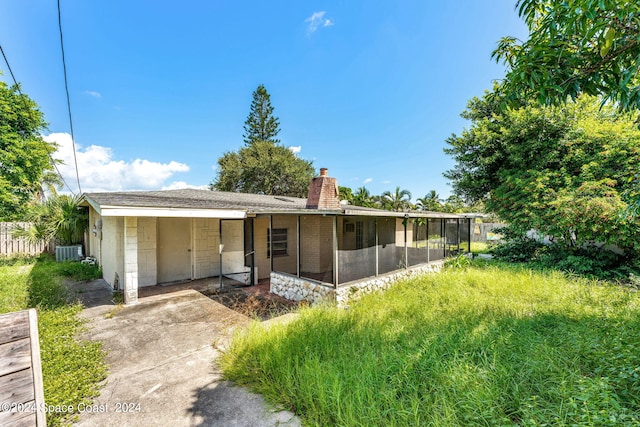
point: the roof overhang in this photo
(172, 212)
(141, 211)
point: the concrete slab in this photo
(161, 354)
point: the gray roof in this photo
(253, 203)
(196, 199)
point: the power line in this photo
(15, 82)
(66, 88)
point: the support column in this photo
(335, 251)
(377, 254)
(130, 260)
(406, 248)
(428, 244)
(298, 246)
(270, 244)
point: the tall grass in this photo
(71, 368)
(475, 346)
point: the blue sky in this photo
(160, 90)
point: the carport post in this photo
(406, 248)
(130, 260)
(428, 245)
(220, 247)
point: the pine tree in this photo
(261, 125)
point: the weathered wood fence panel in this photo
(21, 391)
(484, 232)
(14, 246)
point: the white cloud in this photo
(386, 182)
(93, 93)
(179, 185)
(317, 20)
(295, 149)
(368, 180)
(99, 171)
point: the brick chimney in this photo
(323, 192)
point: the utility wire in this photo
(15, 82)
(66, 88)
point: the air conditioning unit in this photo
(68, 253)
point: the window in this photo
(279, 242)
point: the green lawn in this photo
(71, 368)
(483, 345)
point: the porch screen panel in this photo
(232, 252)
(356, 248)
(436, 240)
(464, 235)
(390, 246)
(452, 237)
(316, 247)
(417, 241)
(285, 243)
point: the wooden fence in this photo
(484, 232)
(21, 392)
(15, 246)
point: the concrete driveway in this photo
(161, 355)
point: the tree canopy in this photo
(397, 200)
(565, 171)
(575, 47)
(264, 168)
(263, 165)
(25, 162)
(430, 202)
(261, 125)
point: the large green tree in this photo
(560, 170)
(263, 165)
(574, 47)
(261, 124)
(264, 168)
(25, 158)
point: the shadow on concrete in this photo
(224, 404)
(92, 293)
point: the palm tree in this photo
(362, 197)
(397, 201)
(59, 218)
(430, 202)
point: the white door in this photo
(174, 249)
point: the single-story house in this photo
(313, 249)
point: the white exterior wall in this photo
(95, 246)
(112, 255)
(206, 240)
(147, 251)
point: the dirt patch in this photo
(263, 307)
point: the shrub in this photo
(521, 249)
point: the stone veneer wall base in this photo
(300, 289)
